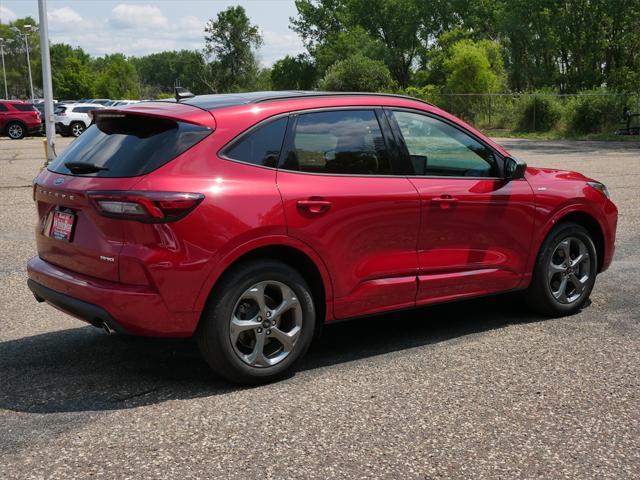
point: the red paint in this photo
(9, 113)
(378, 242)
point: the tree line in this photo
(416, 46)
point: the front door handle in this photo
(314, 206)
(444, 201)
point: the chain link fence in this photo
(586, 112)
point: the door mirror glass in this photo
(514, 169)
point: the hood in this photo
(540, 175)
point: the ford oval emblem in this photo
(59, 181)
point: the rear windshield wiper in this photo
(83, 167)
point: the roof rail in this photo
(311, 94)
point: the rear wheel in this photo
(565, 271)
(258, 324)
(77, 128)
(16, 130)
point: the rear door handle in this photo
(314, 206)
(444, 201)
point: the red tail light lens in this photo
(147, 207)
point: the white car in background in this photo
(73, 119)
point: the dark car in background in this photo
(18, 119)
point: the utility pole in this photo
(4, 70)
(25, 34)
(47, 86)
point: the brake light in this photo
(146, 207)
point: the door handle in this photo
(444, 201)
(314, 206)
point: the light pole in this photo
(4, 70)
(25, 34)
(47, 87)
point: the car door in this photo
(476, 227)
(342, 196)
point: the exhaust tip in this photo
(108, 330)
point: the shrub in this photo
(589, 112)
(538, 113)
(357, 73)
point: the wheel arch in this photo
(583, 218)
(11, 122)
(299, 257)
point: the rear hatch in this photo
(79, 233)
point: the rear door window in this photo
(24, 107)
(129, 145)
(3, 108)
(338, 142)
(260, 146)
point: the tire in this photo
(546, 294)
(235, 353)
(77, 128)
(15, 130)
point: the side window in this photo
(82, 109)
(3, 108)
(340, 142)
(261, 146)
(439, 149)
(24, 107)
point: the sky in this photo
(139, 27)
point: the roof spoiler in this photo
(182, 94)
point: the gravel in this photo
(479, 389)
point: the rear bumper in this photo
(125, 308)
(34, 129)
(88, 312)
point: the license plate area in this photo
(62, 226)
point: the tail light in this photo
(146, 207)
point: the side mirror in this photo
(514, 168)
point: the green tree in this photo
(358, 74)
(16, 59)
(229, 41)
(403, 27)
(469, 69)
(117, 78)
(159, 72)
(71, 72)
(293, 73)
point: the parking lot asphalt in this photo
(480, 389)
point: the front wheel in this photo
(565, 271)
(258, 323)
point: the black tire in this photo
(77, 128)
(539, 296)
(15, 130)
(213, 334)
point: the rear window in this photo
(83, 109)
(24, 107)
(129, 145)
(261, 146)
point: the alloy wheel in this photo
(77, 129)
(265, 324)
(15, 131)
(569, 270)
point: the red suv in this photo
(249, 220)
(18, 119)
